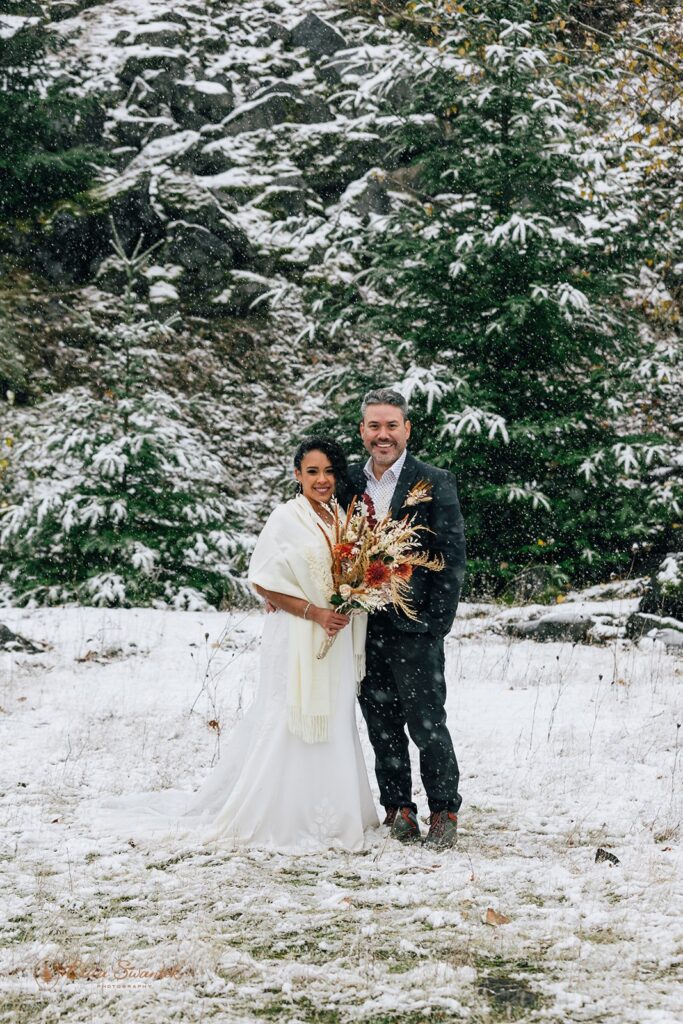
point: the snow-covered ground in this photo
(563, 749)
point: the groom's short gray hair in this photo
(384, 396)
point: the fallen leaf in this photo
(494, 918)
(213, 724)
(20, 699)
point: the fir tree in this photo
(114, 499)
(499, 284)
(43, 157)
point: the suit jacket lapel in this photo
(358, 481)
(407, 477)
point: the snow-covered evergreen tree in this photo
(500, 284)
(113, 498)
(43, 157)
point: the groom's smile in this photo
(385, 434)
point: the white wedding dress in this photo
(270, 789)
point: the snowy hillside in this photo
(564, 749)
(235, 130)
(255, 149)
(236, 139)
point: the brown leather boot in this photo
(443, 829)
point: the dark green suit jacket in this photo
(434, 595)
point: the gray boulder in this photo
(242, 291)
(317, 36)
(272, 32)
(205, 257)
(279, 103)
(331, 159)
(642, 623)
(182, 198)
(70, 245)
(10, 641)
(147, 59)
(367, 196)
(62, 9)
(153, 90)
(555, 626)
(341, 69)
(128, 199)
(195, 103)
(158, 33)
(132, 131)
(285, 200)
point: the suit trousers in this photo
(405, 685)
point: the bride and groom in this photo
(292, 776)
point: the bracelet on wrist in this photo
(306, 609)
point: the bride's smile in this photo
(316, 476)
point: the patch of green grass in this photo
(602, 936)
(20, 1008)
(532, 897)
(299, 876)
(17, 930)
(505, 986)
(307, 950)
(412, 1017)
(302, 1009)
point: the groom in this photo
(404, 684)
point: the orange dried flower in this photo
(343, 550)
(377, 574)
(404, 571)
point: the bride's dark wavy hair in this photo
(330, 448)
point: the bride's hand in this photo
(332, 622)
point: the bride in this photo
(292, 776)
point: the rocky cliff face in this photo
(238, 133)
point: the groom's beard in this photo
(386, 456)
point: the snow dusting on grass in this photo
(564, 749)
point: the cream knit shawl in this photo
(292, 558)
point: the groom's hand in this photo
(269, 607)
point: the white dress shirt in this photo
(382, 491)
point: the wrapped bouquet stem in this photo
(372, 562)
